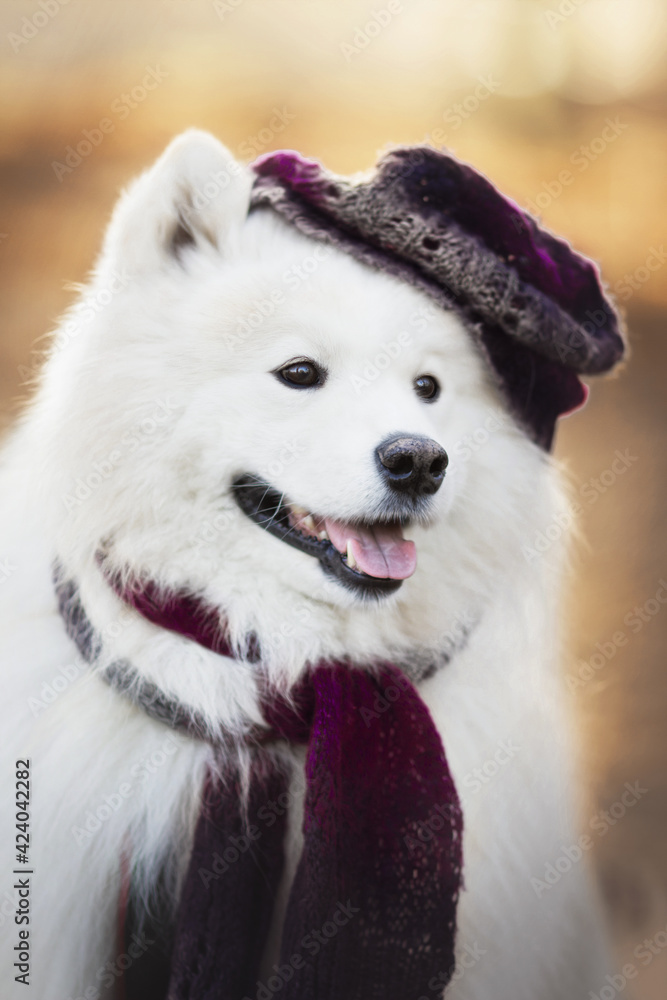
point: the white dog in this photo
(236, 346)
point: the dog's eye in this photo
(301, 374)
(427, 387)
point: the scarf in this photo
(371, 912)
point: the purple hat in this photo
(536, 308)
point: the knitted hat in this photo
(535, 308)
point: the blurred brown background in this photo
(561, 103)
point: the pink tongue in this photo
(379, 551)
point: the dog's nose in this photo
(414, 465)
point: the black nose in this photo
(414, 465)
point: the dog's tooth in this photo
(308, 522)
(323, 535)
(351, 561)
(299, 512)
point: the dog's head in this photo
(236, 408)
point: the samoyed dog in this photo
(237, 351)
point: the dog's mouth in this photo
(372, 558)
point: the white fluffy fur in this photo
(166, 350)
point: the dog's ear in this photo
(195, 195)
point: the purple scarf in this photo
(372, 909)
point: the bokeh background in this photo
(562, 103)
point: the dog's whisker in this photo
(249, 486)
(272, 511)
(280, 503)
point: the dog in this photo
(220, 363)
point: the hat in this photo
(535, 307)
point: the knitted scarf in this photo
(372, 909)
